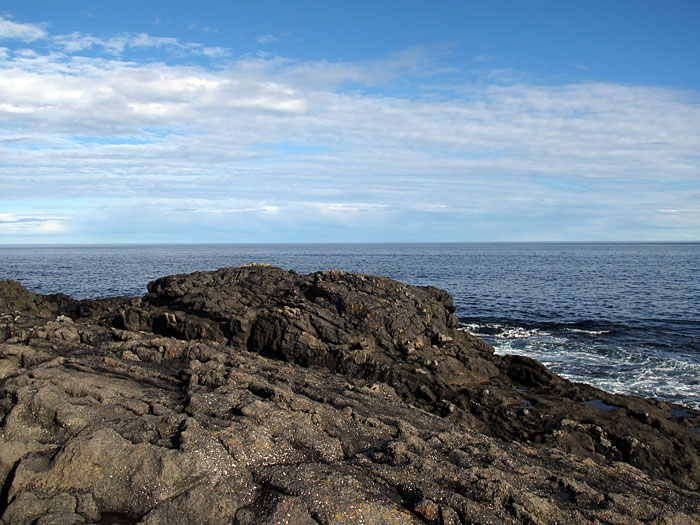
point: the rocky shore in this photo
(254, 395)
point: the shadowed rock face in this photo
(356, 325)
(255, 395)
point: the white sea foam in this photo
(503, 331)
(670, 375)
(616, 370)
(588, 332)
(472, 328)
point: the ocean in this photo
(624, 317)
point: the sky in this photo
(324, 121)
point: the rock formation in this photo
(256, 395)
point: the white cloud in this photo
(103, 126)
(77, 42)
(273, 39)
(348, 207)
(214, 52)
(267, 39)
(203, 29)
(10, 108)
(591, 130)
(117, 45)
(18, 225)
(19, 31)
(27, 53)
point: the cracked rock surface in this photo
(253, 395)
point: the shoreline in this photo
(396, 349)
(488, 282)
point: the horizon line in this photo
(329, 243)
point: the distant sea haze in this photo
(624, 317)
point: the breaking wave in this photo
(616, 358)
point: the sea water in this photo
(624, 317)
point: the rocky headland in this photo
(254, 395)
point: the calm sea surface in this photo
(623, 317)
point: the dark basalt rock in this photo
(256, 395)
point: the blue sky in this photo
(349, 121)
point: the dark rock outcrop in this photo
(255, 395)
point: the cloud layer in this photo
(191, 143)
